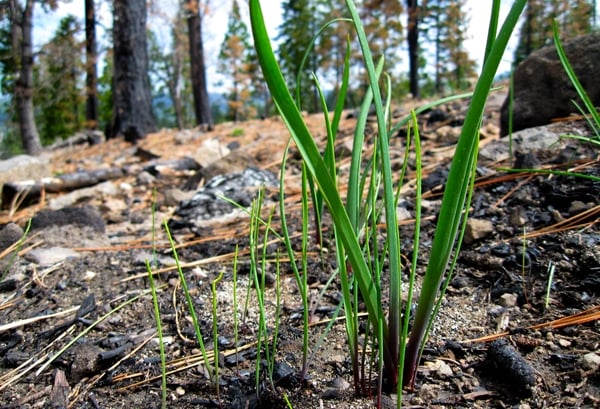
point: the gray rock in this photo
(82, 216)
(542, 90)
(10, 234)
(590, 361)
(240, 187)
(23, 167)
(44, 257)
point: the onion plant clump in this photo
(372, 196)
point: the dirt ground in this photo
(543, 340)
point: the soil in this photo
(504, 337)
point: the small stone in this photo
(447, 134)
(443, 369)
(429, 392)
(508, 300)
(145, 178)
(496, 310)
(577, 206)
(590, 361)
(477, 229)
(180, 391)
(340, 383)
(403, 214)
(565, 343)
(50, 256)
(518, 216)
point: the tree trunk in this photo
(21, 37)
(201, 101)
(413, 46)
(91, 105)
(132, 101)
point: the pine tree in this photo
(18, 64)
(301, 21)
(91, 78)
(446, 26)
(234, 63)
(57, 80)
(412, 37)
(382, 20)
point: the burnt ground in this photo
(496, 343)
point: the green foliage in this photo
(301, 21)
(170, 75)
(57, 83)
(358, 217)
(445, 24)
(105, 92)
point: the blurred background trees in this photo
(56, 83)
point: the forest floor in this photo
(525, 223)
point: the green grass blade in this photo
(293, 119)
(573, 77)
(161, 343)
(455, 193)
(189, 301)
(393, 239)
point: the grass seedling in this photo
(347, 231)
(549, 285)
(235, 309)
(525, 266)
(348, 218)
(190, 305)
(161, 343)
(215, 329)
(258, 273)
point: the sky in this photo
(216, 24)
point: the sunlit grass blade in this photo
(391, 335)
(190, 303)
(592, 111)
(309, 151)
(455, 194)
(161, 343)
(215, 329)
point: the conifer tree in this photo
(57, 80)
(18, 17)
(445, 26)
(234, 63)
(301, 21)
(382, 20)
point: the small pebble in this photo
(508, 300)
(590, 361)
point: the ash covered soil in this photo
(79, 263)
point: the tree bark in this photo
(132, 101)
(21, 36)
(91, 105)
(201, 101)
(413, 46)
